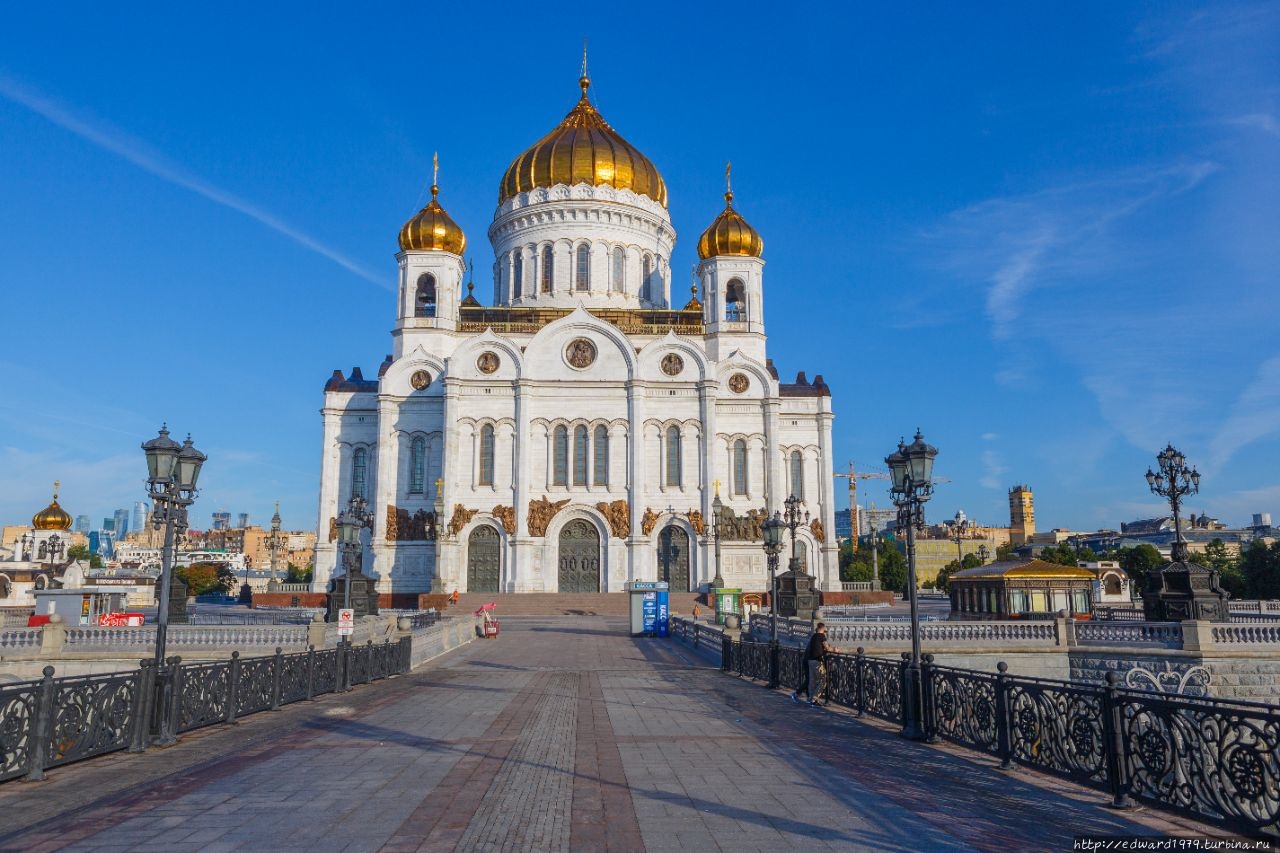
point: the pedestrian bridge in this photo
(561, 734)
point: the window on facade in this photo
(517, 274)
(673, 456)
(359, 467)
(1018, 601)
(486, 455)
(735, 307)
(1079, 601)
(417, 465)
(548, 268)
(739, 467)
(617, 277)
(797, 474)
(601, 473)
(424, 303)
(582, 274)
(560, 462)
(580, 454)
(645, 276)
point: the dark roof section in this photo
(773, 371)
(386, 365)
(355, 385)
(802, 387)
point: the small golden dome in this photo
(730, 234)
(583, 149)
(432, 228)
(52, 517)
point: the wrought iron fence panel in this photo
(204, 690)
(1058, 728)
(358, 659)
(93, 714)
(293, 678)
(257, 677)
(791, 667)
(882, 688)
(842, 680)
(754, 660)
(1219, 760)
(326, 674)
(18, 707)
(962, 707)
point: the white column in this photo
(521, 469)
(774, 483)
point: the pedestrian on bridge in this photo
(814, 674)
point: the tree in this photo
(299, 575)
(857, 567)
(81, 552)
(1139, 561)
(1064, 555)
(1216, 556)
(1005, 552)
(204, 578)
(1260, 566)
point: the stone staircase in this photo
(564, 604)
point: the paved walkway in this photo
(563, 734)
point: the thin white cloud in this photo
(1261, 121)
(149, 160)
(1254, 415)
(993, 470)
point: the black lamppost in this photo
(27, 541)
(1174, 481)
(772, 548)
(717, 513)
(911, 468)
(984, 553)
(350, 522)
(793, 517)
(55, 548)
(958, 529)
(172, 471)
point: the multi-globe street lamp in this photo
(911, 470)
(793, 517)
(717, 517)
(984, 553)
(1173, 481)
(772, 532)
(350, 522)
(958, 529)
(172, 472)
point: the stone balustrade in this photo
(1166, 635)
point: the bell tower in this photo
(431, 269)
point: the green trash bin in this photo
(727, 601)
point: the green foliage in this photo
(1139, 561)
(1005, 552)
(204, 578)
(1064, 555)
(1216, 556)
(81, 552)
(943, 580)
(299, 575)
(1260, 567)
(857, 567)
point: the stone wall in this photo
(1254, 677)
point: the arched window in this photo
(673, 456)
(580, 454)
(797, 474)
(424, 303)
(560, 463)
(646, 275)
(417, 465)
(618, 277)
(548, 268)
(517, 274)
(802, 554)
(601, 477)
(735, 303)
(486, 455)
(359, 466)
(739, 467)
(582, 275)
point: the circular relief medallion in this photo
(488, 362)
(739, 382)
(672, 364)
(420, 379)
(580, 353)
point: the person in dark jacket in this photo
(814, 673)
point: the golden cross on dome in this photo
(728, 184)
(56, 485)
(435, 174)
(717, 485)
(584, 56)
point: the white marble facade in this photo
(651, 418)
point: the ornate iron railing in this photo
(1214, 760)
(54, 721)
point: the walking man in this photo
(814, 657)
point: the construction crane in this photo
(853, 478)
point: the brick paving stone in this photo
(562, 734)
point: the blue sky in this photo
(1047, 234)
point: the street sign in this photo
(346, 622)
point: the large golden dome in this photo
(583, 149)
(432, 229)
(52, 517)
(730, 234)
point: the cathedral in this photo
(575, 435)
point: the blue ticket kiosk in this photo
(650, 616)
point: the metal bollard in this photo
(41, 727)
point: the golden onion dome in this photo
(730, 234)
(52, 517)
(583, 149)
(433, 229)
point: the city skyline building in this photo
(140, 514)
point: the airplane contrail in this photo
(148, 159)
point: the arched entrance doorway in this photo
(484, 560)
(673, 558)
(579, 557)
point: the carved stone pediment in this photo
(541, 512)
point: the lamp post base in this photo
(246, 594)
